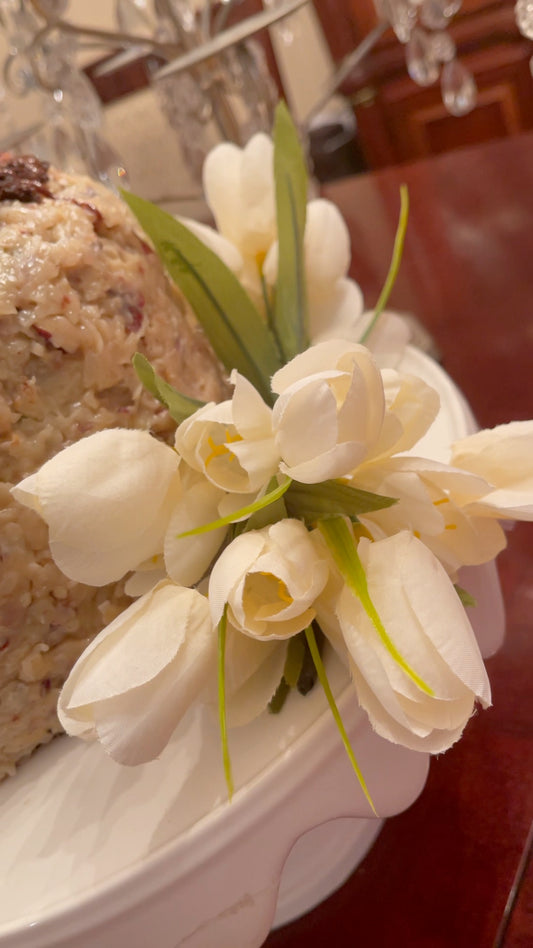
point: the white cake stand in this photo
(96, 854)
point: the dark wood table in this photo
(453, 871)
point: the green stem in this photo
(395, 262)
(222, 628)
(323, 679)
(269, 498)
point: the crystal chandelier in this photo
(430, 53)
(229, 95)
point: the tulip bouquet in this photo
(293, 517)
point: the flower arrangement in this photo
(291, 517)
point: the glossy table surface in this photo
(454, 871)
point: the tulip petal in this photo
(139, 676)
(188, 558)
(106, 500)
(326, 244)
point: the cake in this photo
(80, 292)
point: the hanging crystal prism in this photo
(524, 17)
(433, 14)
(422, 64)
(443, 46)
(459, 90)
(401, 15)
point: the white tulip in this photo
(269, 580)
(231, 443)
(254, 669)
(425, 621)
(335, 302)
(107, 500)
(188, 558)
(504, 457)
(431, 500)
(139, 676)
(330, 411)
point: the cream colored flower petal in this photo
(106, 500)
(187, 559)
(221, 186)
(434, 601)
(251, 415)
(228, 252)
(253, 672)
(336, 314)
(388, 339)
(411, 402)
(134, 682)
(143, 581)
(409, 735)
(269, 579)
(326, 244)
(322, 357)
(504, 457)
(424, 619)
(257, 194)
(229, 568)
(325, 424)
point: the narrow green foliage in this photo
(341, 543)
(294, 660)
(273, 512)
(233, 325)
(279, 697)
(296, 666)
(312, 502)
(222, 629)
(307, 677)
(395, 262)
(290, 174)
(323, 678)
(466, 598)
(179, 406)
(241, 514)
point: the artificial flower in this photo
(330, 410)
(268, 579)
(231, 443)
(253, 672)
(427, 626)
(239, 188)
(139, 676)
(107, 500)
(430, 502)
(504, 457)
(187, 558)
(335, 302)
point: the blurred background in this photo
(372, 83)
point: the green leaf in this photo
(341, 543)
(323, 678)
(179, 406)
(395, 262)
(244, 512)
(269, 514)
(230, 320)
(312, 502)
(222, 630)
(290, 175)
(466, 598)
